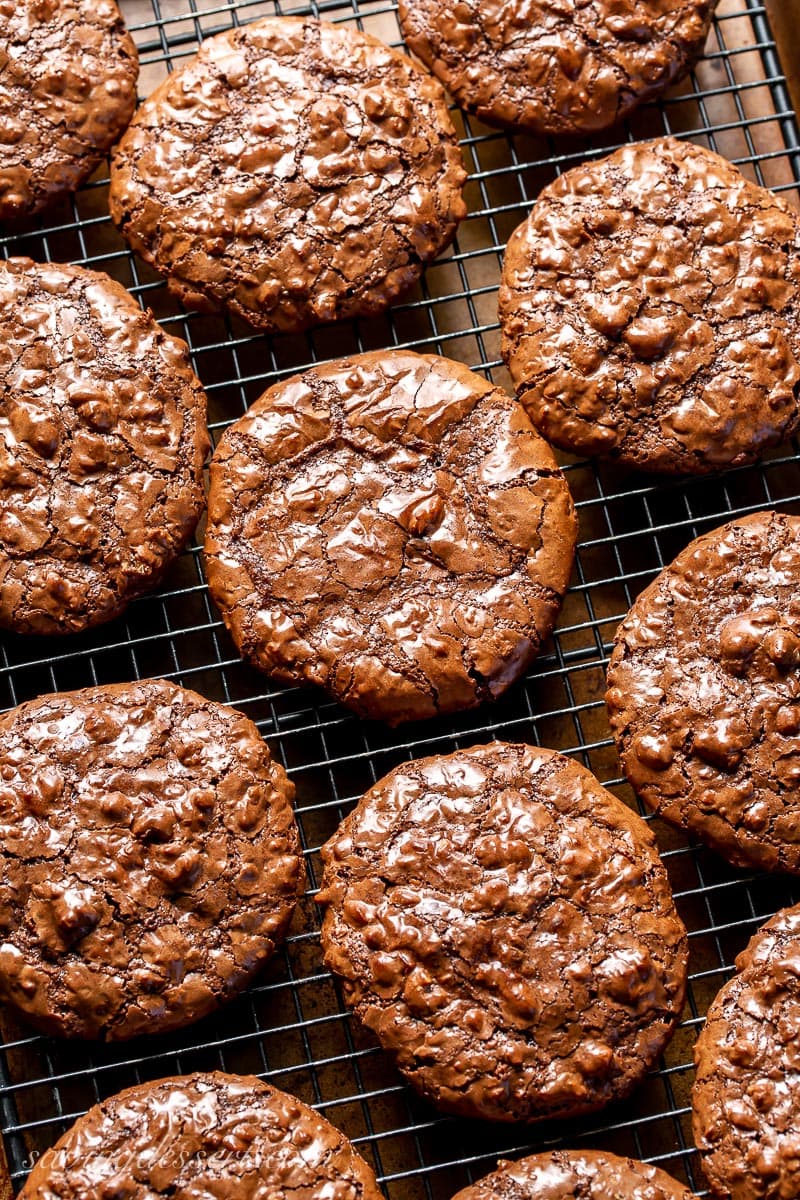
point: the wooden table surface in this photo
(784, 17)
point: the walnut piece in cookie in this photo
(506, 928)
(68, 72)
(556, 66)
(746, 1095)
(390, 527)
(294, 171)
(202, 1135)
(704, 691)
(102, 444)
(567, 1174)
(150, 858)
(650, 308)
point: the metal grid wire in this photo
(292, 1027)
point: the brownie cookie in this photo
(650, 307)
(506, 928)
(747, 1093)
(198, 1136)
(150, 859)
(556, 66)
(566, 1174)
(294, 171)
(391, 527)
(68, 72)
(102, 444)
(704, 691)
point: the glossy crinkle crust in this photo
(294, 171)
(227, 1136)
(506, 928)
(149, 858)
(556, 66)
(703, 691)
(102, 443)
(68, 71)
(567, 1174)
(391, 527)
(747, 1093)
(650, 307)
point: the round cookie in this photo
(704, 691)
(650, 307)
(566, 1174)
(102, 444)
(506, 928)
(68, 72)
(556, 66)
(391, 527)
(202, 1135)
(747, 1092)
(294, 171)
(150, 858)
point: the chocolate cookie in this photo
(102, 444)
(202, 1135)
(704, 691)
(389, 526)
(294, 171)
(556, 66)
(747, 1093)
(68, 72)
(150, 859)
(506, 928)
(566, 1174)
(650, 308)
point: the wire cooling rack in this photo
(291, 1027)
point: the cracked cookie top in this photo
(294, 171)
(569, 1174)
(68, 72)
(202, 1135)
(102, 444)
(746, 1095)
(389, 526)
(506, 928)
(704, 691)
(650, 308)
(556, 66)
(150, 858)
